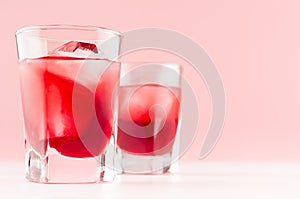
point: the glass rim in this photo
(67, 27)
(171, 65)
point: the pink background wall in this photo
(254, 44)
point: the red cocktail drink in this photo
(148, 119)
(60, 109)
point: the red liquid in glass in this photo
(157, 127)
(49, 91)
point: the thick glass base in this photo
(55, 168)
(139, 164)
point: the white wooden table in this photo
(199, 179)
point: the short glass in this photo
(67, 78)
(148, 112)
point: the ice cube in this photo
(76, 48)
(72, 46)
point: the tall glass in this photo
(67, 77)
(148, 113)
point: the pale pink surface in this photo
(254, 44)
(196, 179)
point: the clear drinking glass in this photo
(67, 77)
(148, 115)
